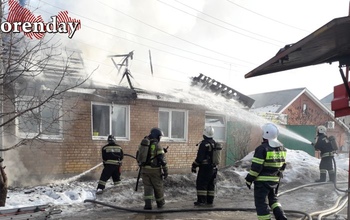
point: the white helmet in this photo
(322, 129)
(208, 131)
(270, 132)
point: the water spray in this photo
(293, 135)
(230, 108)
(74, 178)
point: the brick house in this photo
(126, 113)
(300, 109)
(47, 143)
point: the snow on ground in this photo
(69, 196)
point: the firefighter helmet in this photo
(156, 133)
(270, 133)
(111, 139)
(321, 129)
(208, 131)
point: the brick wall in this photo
(77, 152)
(313, 115)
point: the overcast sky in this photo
(222, 39)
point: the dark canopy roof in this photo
(327, 44)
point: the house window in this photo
(173, 123)
(218, 122)
(43, 120)
(110, 119)
(304, 108)
(330, 124)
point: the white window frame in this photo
(166, 138)
(28, 135)
(223, 126)
(127, 121)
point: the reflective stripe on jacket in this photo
(267, 163)
(112, 154)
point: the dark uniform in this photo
(112, 156)
(267, 165)
(154, 170)
(324, 146)
(205, 183)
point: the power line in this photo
(136, 43)
(197, 45)
(151, 41)
(221, 25)
(266, 16)
(147, 46)
(139, 60)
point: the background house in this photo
(299, 111)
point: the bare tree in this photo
(35, 78)
(239, 133)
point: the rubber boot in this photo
(148, 204)
(160, 204)
(210, 200)
(323, 177)
(201, 201)
(331, 176)
(279, 213)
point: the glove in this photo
(194, 166)
(249, 184)
(280, 174)
(283, 167)
(193, 170)
(215, 172)
(165, 173)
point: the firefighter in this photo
(154, 170)
(205, 182)
(268, 163)
(323, 144)
(112, 156)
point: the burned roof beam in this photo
(214, 86)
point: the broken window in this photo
(218, 122)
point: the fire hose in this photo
(337, 207)
(186, 210)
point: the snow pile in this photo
(69, 197)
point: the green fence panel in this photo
(230, 145)
(298, 137)
(293, 140)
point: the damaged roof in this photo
(208, 84)
(328, 44)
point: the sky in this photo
(222, 39)
(68, 195)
